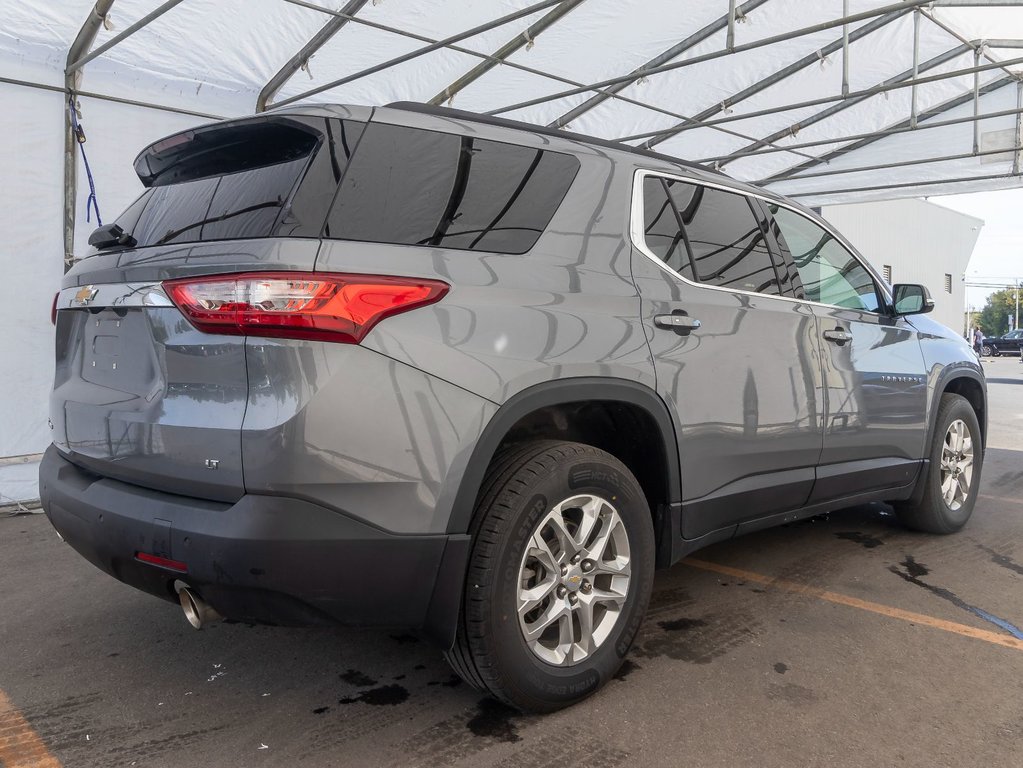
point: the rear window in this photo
(239, 181)
(414, 187)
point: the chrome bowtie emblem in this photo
(85, 295)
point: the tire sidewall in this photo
(545, 685)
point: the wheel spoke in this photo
(541, 550)
(584, 645)
(556, 522)
(566, 637)
(591, 517)
(946, 488)
(532, 598)
(598, 549)
(606, 596)
(555, 611)
(619, 566)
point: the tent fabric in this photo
(213, 57)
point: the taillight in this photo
(298, 305)
(53, 308)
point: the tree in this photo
(994, 318)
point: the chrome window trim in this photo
(639, 241)
(112, 295)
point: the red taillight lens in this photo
(296, 305)
(53, 308)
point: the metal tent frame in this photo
(716, 117)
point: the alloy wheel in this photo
(573, 580)
(956, 465)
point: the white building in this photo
(914, 241)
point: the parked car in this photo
(416, 367)
(1009, 344)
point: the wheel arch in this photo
(967, 384)
(553, 399)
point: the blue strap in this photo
(91, 203)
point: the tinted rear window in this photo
(726, 239)
(662, 226)
(239, 181)
(414, 187)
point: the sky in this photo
(998, 255)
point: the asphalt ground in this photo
(841, 641)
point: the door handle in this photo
(678, 322)
(838, 336)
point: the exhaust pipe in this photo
(198, 612)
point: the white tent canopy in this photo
(826, 100)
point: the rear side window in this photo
(829, 272)
(662, 227)
(414, 187)
(708, 235)
(728, 245)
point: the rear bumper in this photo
(264, 559)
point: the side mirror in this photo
(912, 299)
(110, 235)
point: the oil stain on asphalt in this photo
(494, 720)
(357, 678)
(385, 695)
(913, 573)
(695, 640)
(865, 540)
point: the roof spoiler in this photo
(221, 148)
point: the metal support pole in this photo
(916, 67)
(730, 38)
(903, 185)
(874, 91)
(774, 78)
(976, 98)
(831, 111)
(845, 50)
(899, 8)
(1017, 159)
(72, 80)
(145, 20)
(300, 59)
(662, 58)
(934, 111)
(723, 160)
(530, 9)
(525, 38)
(897, 164)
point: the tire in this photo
(934, 513)
(527, 489)
(987, 351)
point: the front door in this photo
(875, 385)
(735, 354)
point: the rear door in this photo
(875, 383)
(735, 354)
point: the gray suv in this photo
(414, 367)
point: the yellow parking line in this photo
(864, 605)
(20, 746)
